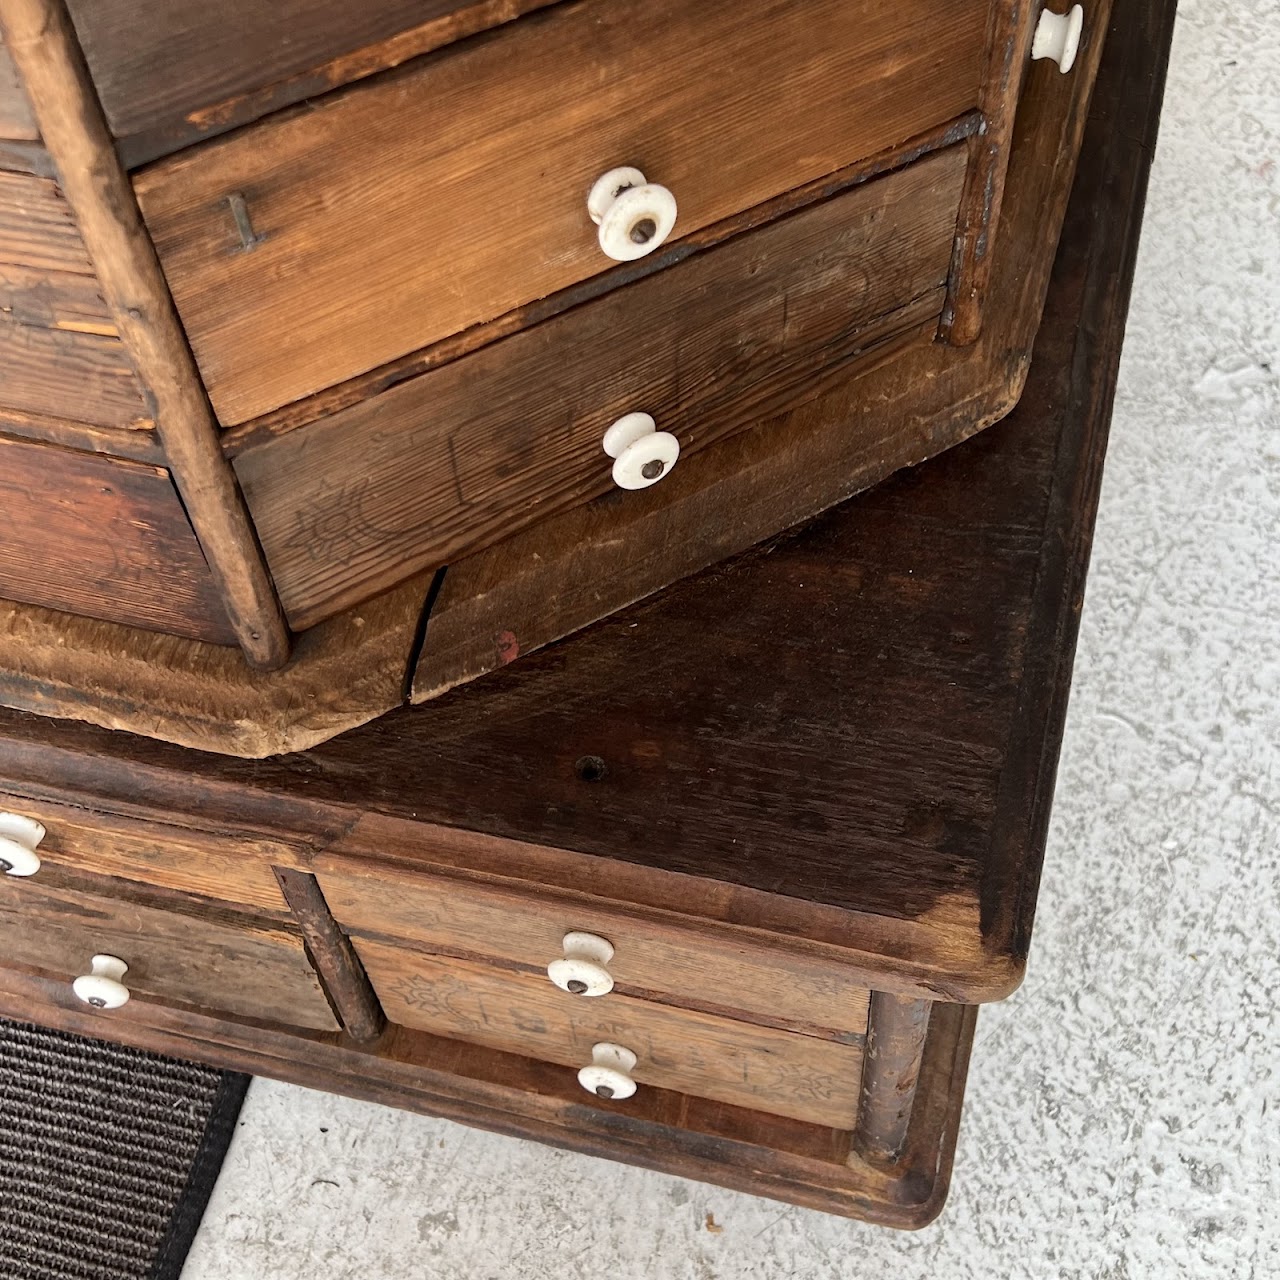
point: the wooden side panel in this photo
(211, 866)
(408, 208)
(16, 121)
(471, 452)
(777, 1072)
(107, 539)
(37, 228)
(688, 965)
(170, 73)
(253, 972)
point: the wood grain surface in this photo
(262, 972)
(473, 451)
(171, 74)
(37, 228)
(726, 972)
(16, 120)
(408, 208)
(104, 538)
(777, 1072)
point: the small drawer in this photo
(239, 969)
(725, 971)
(778, 1072)
(331, 240)
(225, 868)
(471, 452)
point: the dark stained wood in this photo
(107, 539)
(37, 227)
(777, 1072)
(472, 452)
(344, 978)
(16, 120)
(658, 957)
(117, 442)
(54, 300)
(256, 972)
(171, 74)
(584, 564)
(45, 50)
(361, 201)
(896, 1032)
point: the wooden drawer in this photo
(104, 538)
(656, 957)
(471, 452)
(225, 868)
(779, 1072)
(238, 968)
(409, 207)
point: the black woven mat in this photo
(107, 1156)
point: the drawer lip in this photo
(818, 124)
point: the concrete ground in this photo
(1123, 1118)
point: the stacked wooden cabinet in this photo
(311, 310)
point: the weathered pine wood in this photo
(118, 442)
(252, 971)
(1012, 25)
(366, 386)
(732, 973)
(896, 1032)
(776, 1072)
(203, 863)
(43, 45)
(473, 451)
(169, 75)
(360, 203)
(344, 978)
(37, 228)
(582, 565)
(27, 157)
(16, 121)
(54, 300)
(103, 538)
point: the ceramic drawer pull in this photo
(582, 972)
(609, 1075)
(101, 987)
(634, 216)
(19, 838)
(1058, 37)
(642, 453)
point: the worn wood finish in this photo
(360, 202)
(118, 442)
(169, 75)
(27, 157)
(37, 228)
(44, 48)
(253, 971)
(720, 971)
(896, 1034)
(339, 967)
(103, 538)
(584, 564)
(203, 863)
(60, 300)
(508, 435)
(777, 1072)
(16, 121)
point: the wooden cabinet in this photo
(338, 279)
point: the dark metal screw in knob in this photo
(98, 1002)
(652, 470)
(644, 231)
(576, 986)
(603, 1091)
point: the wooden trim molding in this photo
(42, 42)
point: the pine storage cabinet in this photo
(322, 310)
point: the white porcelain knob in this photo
(643, 453)
(582, 972)
(634, 215)
(1058, 37)
(102, 987)
(609, 1075)
(19, 837)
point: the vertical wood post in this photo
(896, 1031)
(44, 48)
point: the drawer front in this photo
(472, 451)
(238, 969)
(227, 869)
(103, 538)
(446, 194)
(655, 959)
(710, 1057)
